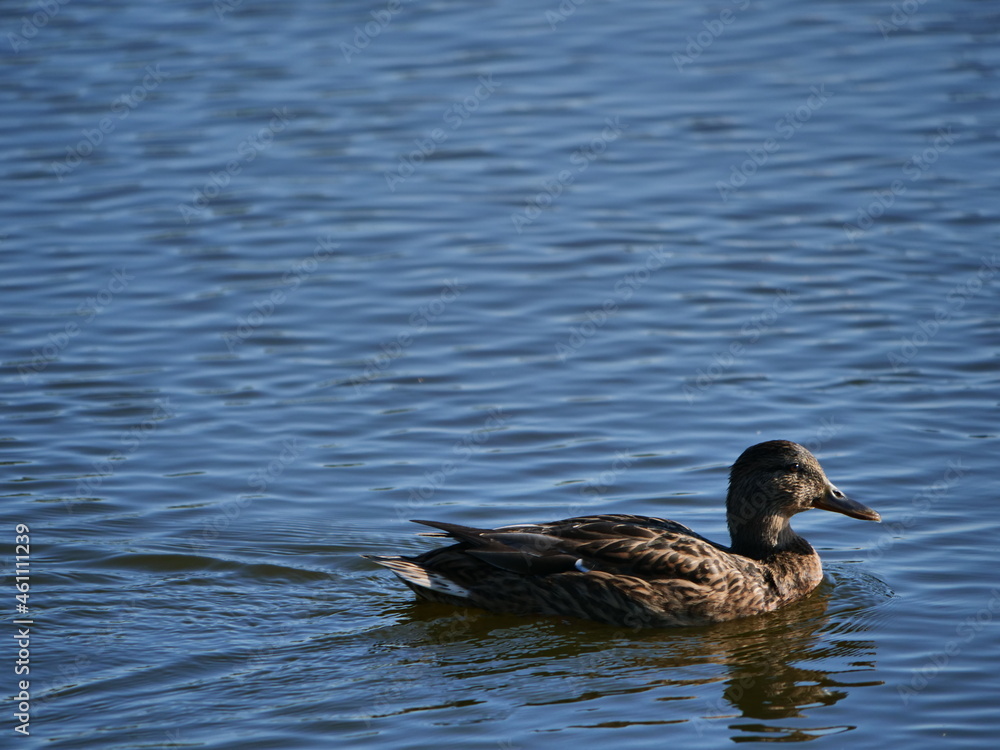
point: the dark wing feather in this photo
(519, 552)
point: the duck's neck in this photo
(788, 562)
(764, 537)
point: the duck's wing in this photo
(618, 544)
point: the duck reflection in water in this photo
(789, 667)
(779, 671)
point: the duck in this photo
(643, 572)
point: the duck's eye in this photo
(793, 468)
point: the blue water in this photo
(277, 277)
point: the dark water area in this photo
(278, 277)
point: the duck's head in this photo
(771, 482)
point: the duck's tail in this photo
(423, 581)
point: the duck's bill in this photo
(838, 502)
